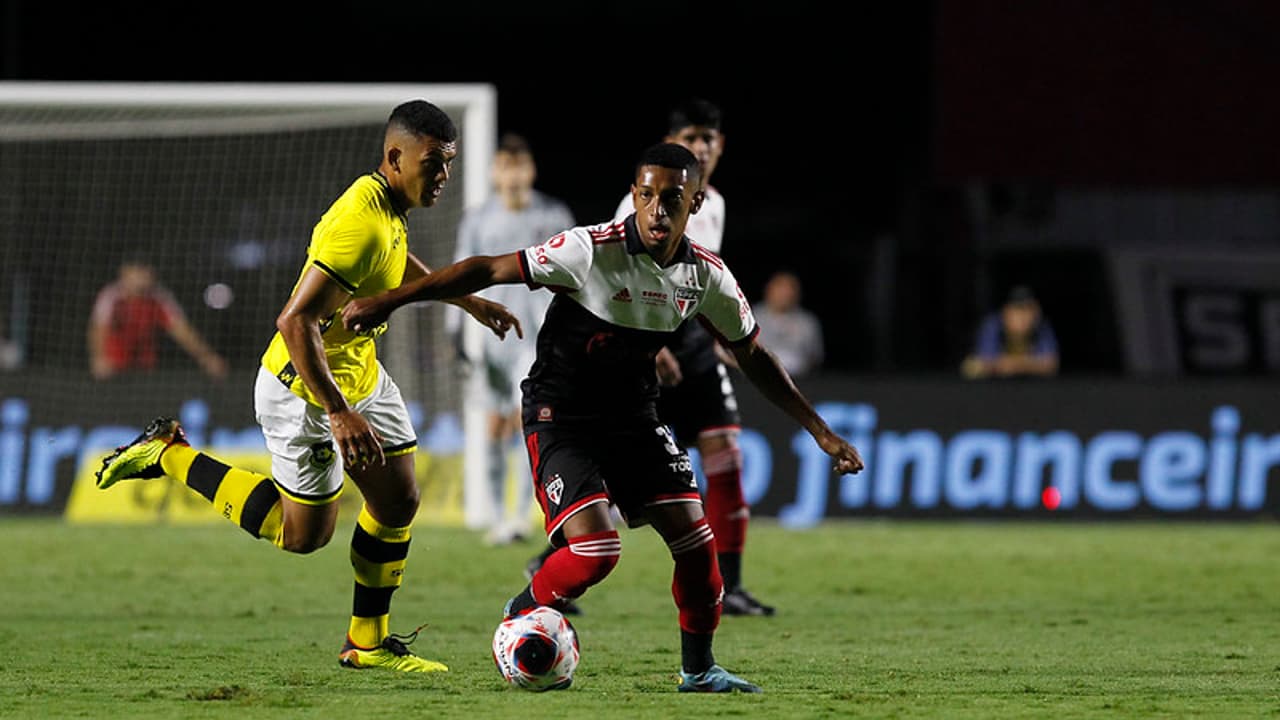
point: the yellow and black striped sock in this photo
(245, 498)
(378, 554)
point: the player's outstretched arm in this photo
(766, 373)
(495, 316)
(459, 279)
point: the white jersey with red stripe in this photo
(706, 227)
(614, 309)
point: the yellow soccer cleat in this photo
(392, 653)
(140, 459)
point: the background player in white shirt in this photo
(516, 216)
(590, 412)
(697, 397)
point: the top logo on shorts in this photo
(322, 455)
(555, 488)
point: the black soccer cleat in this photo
(740, 602)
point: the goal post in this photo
(216, 187)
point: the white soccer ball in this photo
(536, 650)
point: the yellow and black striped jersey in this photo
(361, 243)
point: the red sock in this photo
(727, 510)
(696, 584)
(569, 571)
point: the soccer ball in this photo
(536, 650)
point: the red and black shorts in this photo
(634, 466)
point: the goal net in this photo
(212, 189)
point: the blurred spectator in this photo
(1016, 340)
(129, 314)
(515, 216)
(793, 333)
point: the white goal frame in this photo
(478, 127)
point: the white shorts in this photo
(304, 463)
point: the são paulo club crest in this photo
(686, 297)
(555, 488)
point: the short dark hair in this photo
(422, 118)
(694, 111)
(514, 144)
(670, 155)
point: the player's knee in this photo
(399, 512)
(598, 568)
(305, 543)
(595, 556)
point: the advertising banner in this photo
(934, 447)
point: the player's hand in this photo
(668, 368)
(846, 457)
(361, 314)
(494, 316)
(214, 366)
(356, 439)
(101, 368)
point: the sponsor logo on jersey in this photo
(555, 488)
(654, 297)
(545, 414)
(540, 252)
(622, 296)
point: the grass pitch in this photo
(876, 619)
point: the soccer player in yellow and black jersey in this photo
(325, 403)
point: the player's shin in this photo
(727, 510)
(697, 589)
(378, 554)
(245, 498)
(569, 571)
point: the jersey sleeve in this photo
(988, 345)
(1046, 340)
(345, 251)
(725, 310)
(561, 262)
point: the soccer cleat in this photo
(741, 602)
(715, 679)
(392, 653)
(140, 459)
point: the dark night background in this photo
(849, 127)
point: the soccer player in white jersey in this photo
(590, 416)
(697, 398)
(514, 217)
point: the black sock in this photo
(731, 570)
(523, 601)
(695, 652)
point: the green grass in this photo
(876, 619)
